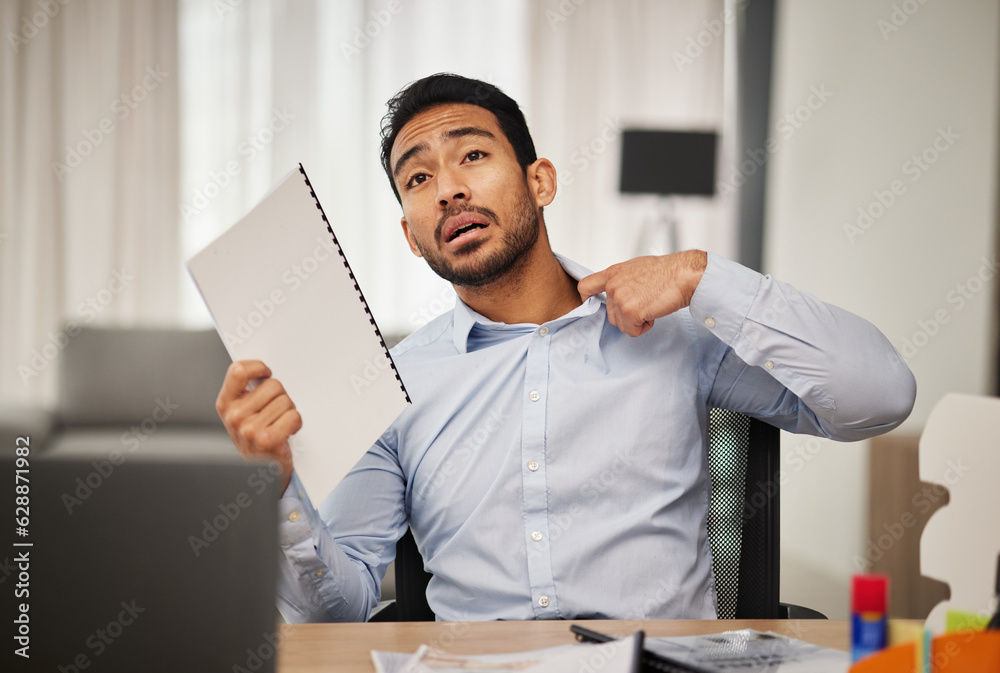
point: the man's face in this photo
(467, 207)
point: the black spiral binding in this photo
(361, 295)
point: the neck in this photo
(535, 291)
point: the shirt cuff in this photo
(297, 518)
(723, 298)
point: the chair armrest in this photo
(385, 611)
(790, 611)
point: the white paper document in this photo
(743, 651)
(618, 656)
(279, 290)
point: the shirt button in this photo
(543, 601)
(534, 396)
(300, 493)
(769, 364)
(542, 331)
(319, 573)
(532, 465)
(536, 536)
(293, 517)
(710, 322)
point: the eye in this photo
(417, 179)
(475, 155)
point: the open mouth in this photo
(463, 226)
(464, 229)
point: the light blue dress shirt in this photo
(559, 470)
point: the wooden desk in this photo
(310, 648)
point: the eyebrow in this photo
(447, 135)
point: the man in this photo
(553, 462)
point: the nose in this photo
(451, 187)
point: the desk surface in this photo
(309, 648)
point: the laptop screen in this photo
(154, 563)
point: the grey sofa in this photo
(135, 391)
(139, 391)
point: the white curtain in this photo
(244, 91)
(328, 69)
(602, 67)
(580, 71)
(88, 178)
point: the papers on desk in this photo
(615, 657)
(730, 652)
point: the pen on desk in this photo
(994, 624)
(651, 661)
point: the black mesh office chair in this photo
(743, 458)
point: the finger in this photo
(272, 439)
(631, 328)
(593, 284)
(614, 317)
(239, 374)
(625, 320)
(289, 422)
(242, 416)
(639, 325)
(263, 394)
(274, 409)
(644, 327)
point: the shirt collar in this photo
(465, 319)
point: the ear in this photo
(541, 176)
(409, 237)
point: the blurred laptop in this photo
(153, 564)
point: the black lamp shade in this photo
(668, 162)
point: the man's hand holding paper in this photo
(261, 420)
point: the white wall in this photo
(899, 76)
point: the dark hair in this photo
(444, 88)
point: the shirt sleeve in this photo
(800, 363)
(325, 577)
